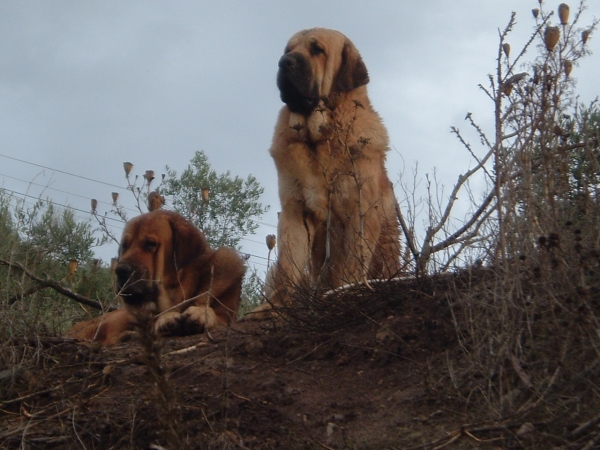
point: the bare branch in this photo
(48, 283)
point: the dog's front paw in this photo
(196, 319)
(169, 324)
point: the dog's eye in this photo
(150, 246)
(315, 50)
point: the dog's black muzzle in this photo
(297, 88)
(132, 286)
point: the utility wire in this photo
(62, 171)
(61, 191)
(267, 224)
(119, 222)
(84, 178)
(57, 204)
(80, 196)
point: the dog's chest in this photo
(322, 180)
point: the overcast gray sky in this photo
(85, 86)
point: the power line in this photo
(119, 222)
(58, 204)
(256, 242)
(61, 191)
(267, 224)
(83, 178)
(15, 193)
(62, 171)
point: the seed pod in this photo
(585, 35)
(563, 13)
(506, 88)
(568, 67)
(115, 197)
(551, 37)
(149, 176)
(205, 194)
(271, 241)
(535, 12)
(94, 204)
(506, 48)
(155, 201)
(127, 166)
(556, 99)
(72, 266)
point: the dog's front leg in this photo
(296, 233)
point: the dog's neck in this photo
(318, 126)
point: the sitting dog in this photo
(338, 221)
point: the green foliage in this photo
(8, 229)
(226, 217)
(57, 235)
(251, 292)
(43, 239)
(232, 208)
(583, 140)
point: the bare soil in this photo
(384, 383)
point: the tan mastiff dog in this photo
(338, 221)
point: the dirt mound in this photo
(382, 384)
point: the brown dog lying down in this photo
(165, 260)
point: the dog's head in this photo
(154, 248)
(315, 64)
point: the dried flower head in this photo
(205, 194)
(585, 35)
(155, 201)
(568, 67)
(563, 13)
(94, 204)
(558, 130)
(556, 99)
(271, 241)
(127, 166)
(115, 197)
(73, 263)
(535, 12)
(506, 48)
(551, 37)
(506, 88)
(149, 176)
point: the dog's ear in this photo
(188, 242)
(353, 72)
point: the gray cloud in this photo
(85, 86)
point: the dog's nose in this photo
(287, 62)
(123, 271)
